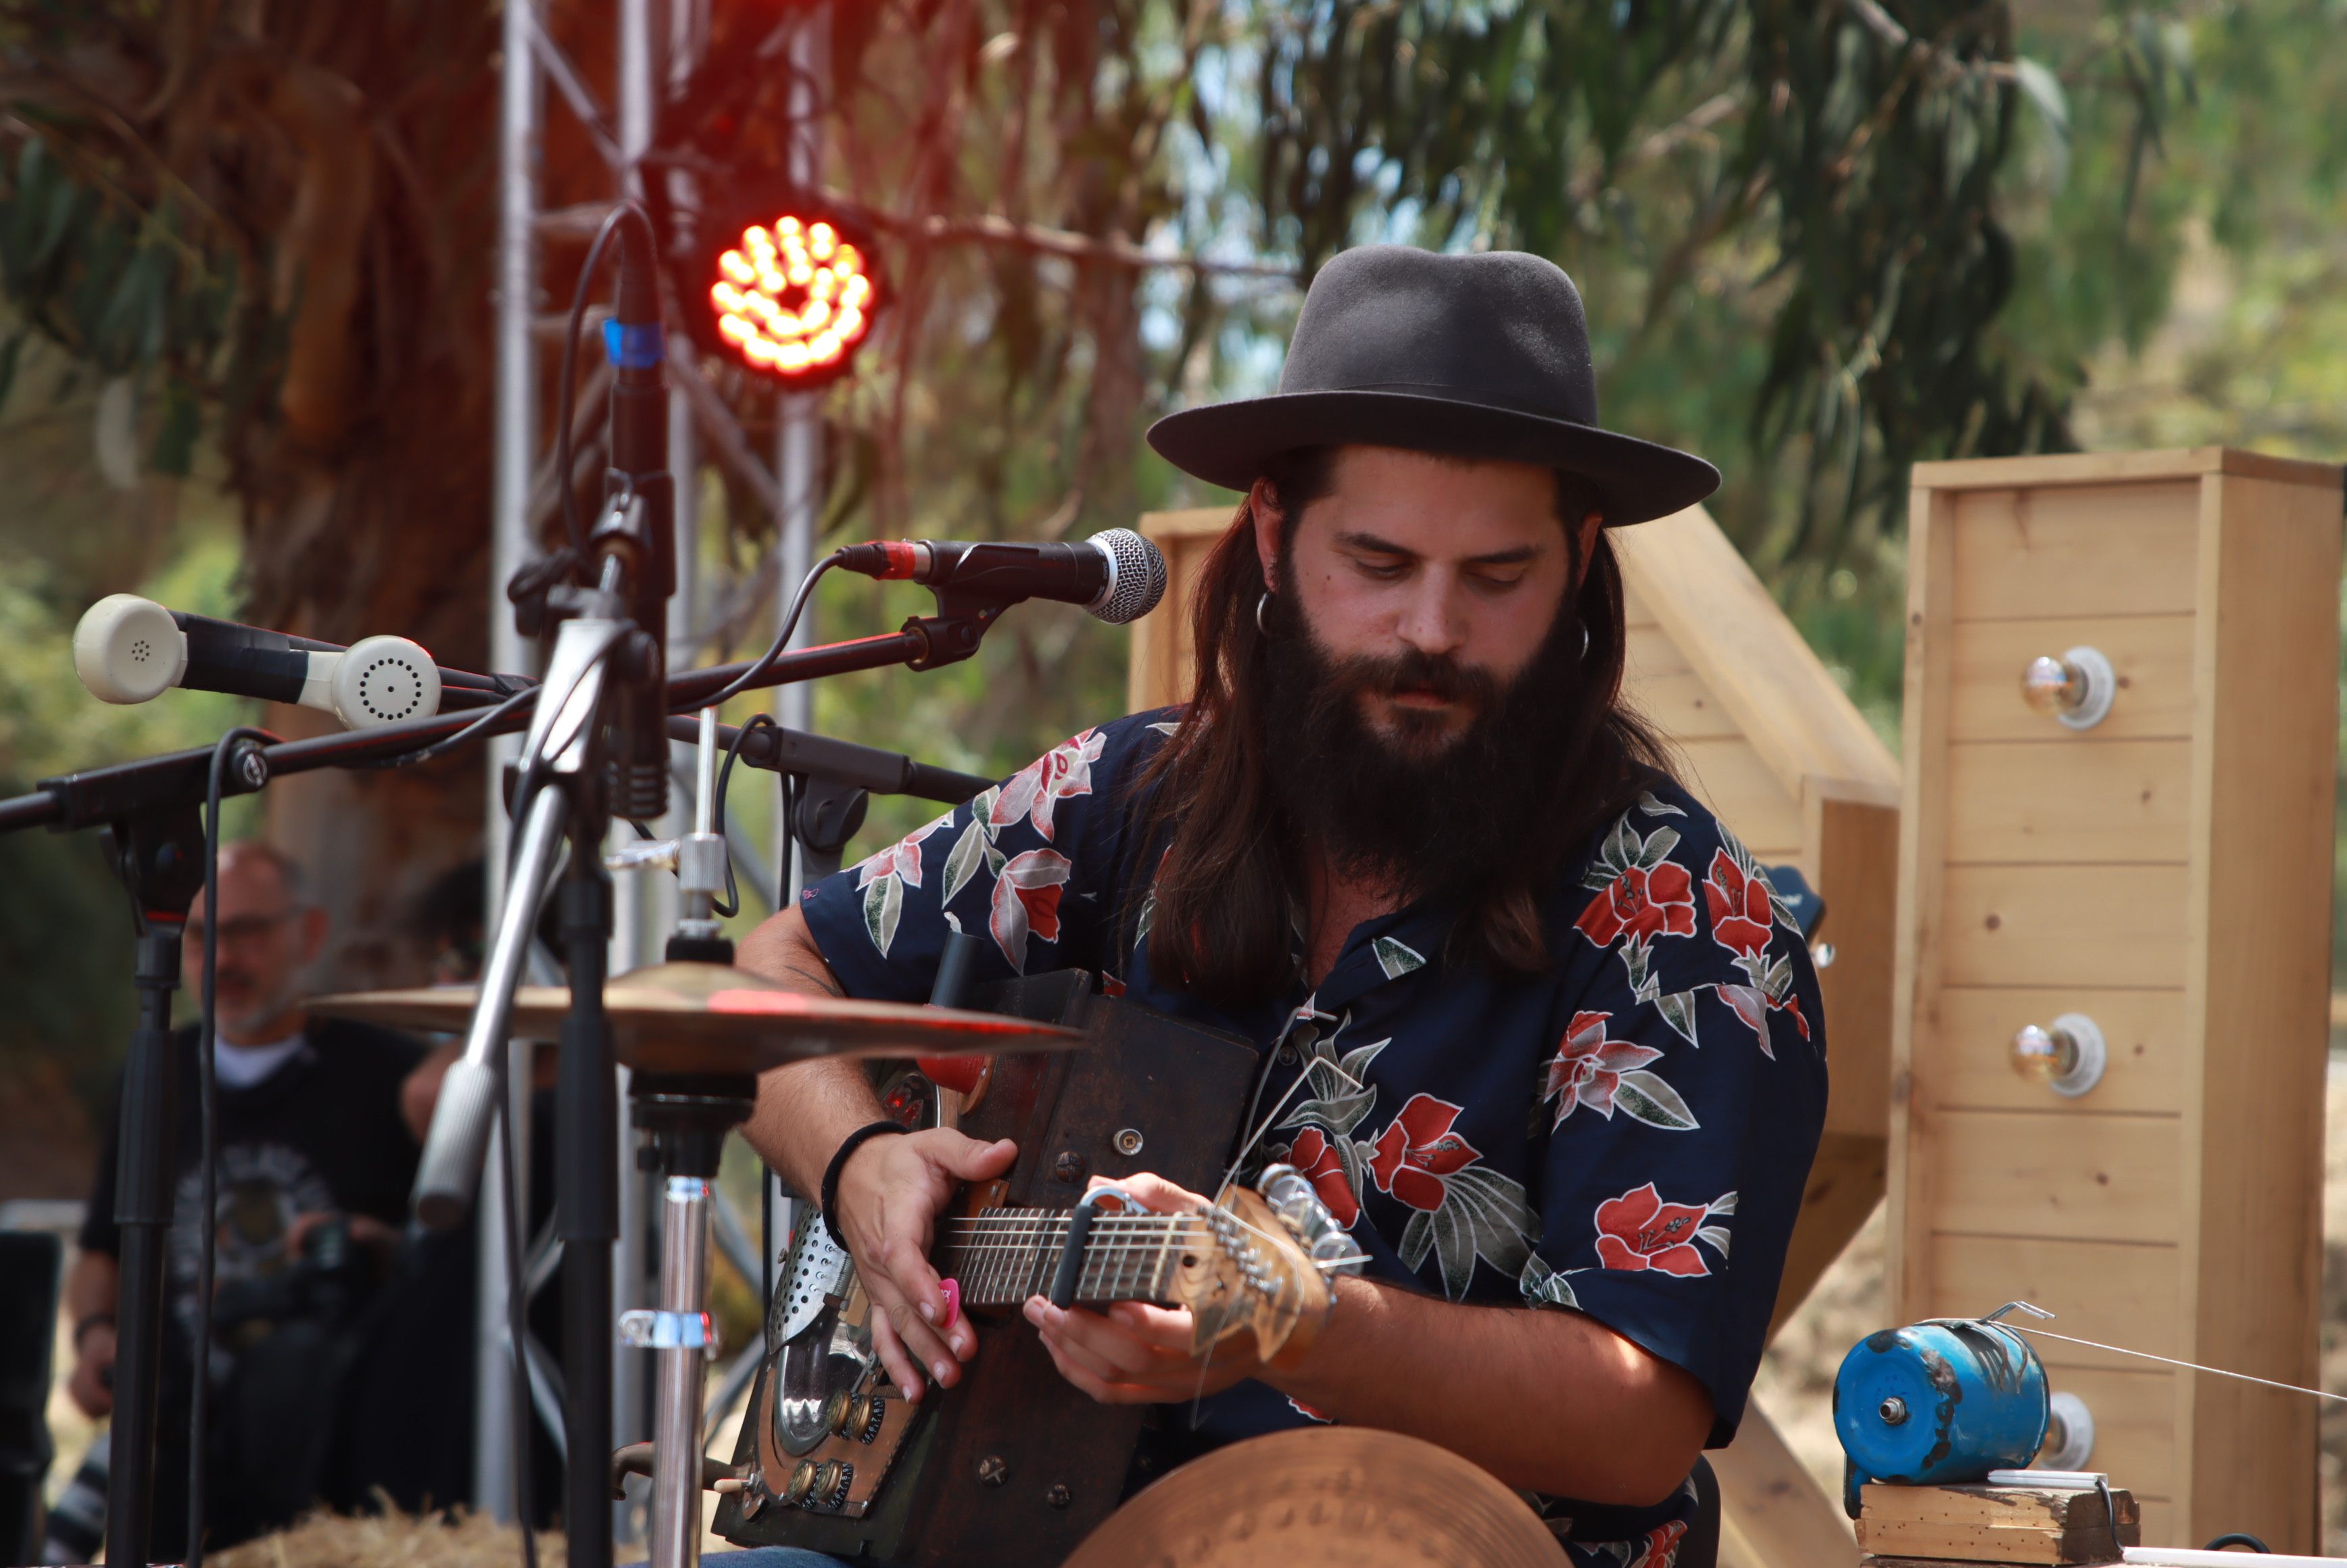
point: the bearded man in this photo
(1405, 835)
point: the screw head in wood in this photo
(993, 1470)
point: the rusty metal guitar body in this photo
(1014, 1467)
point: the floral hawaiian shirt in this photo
(1625, 1134)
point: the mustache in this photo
(1414, 670)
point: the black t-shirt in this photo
(323, 1133)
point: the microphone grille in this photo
(1136, 580)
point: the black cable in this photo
(208, 1139)
(732, 904)
(749, 678)
(441, 748)
(567, 392)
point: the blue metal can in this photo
(1939, 1403)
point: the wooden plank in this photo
(2071, 1175)
(1967, 1060)
(2063, 925)
(1773, 1513)
(1780, 693)
(2060, 801)
(1678, 704)
(2152, 656)
(1635, 611)
(1159, 673)
(1922, 839)
(2258, 995)
(1728, 775)
(2160, 1527)
(1996, 1525)
(2041, 1508)
(1851, 833)
(2106, 467)
(1844, 1185)
(2135, 1432)
(2062, 553)
(2116, 1292)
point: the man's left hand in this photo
(1136, 1354)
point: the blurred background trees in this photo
(244, 272)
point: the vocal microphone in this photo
(131, 649)
(1116, 574)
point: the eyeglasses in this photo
(244, 930)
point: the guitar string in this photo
(1302, 1078)
(2170, 1360)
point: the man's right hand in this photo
(891, 1192)
(93, 1374)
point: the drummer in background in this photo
(316, 1161)
(1564, 1042)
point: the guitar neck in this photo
(1002, 1256)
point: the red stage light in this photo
(794, 298)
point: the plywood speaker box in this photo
(2111, 1015)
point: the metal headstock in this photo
(1261, 1264)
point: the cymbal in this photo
(1322, 1497)
(708, 1019)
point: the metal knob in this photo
(2075, 689)
(2067, 1056)
(2069, 1434)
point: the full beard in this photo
(1443, 821)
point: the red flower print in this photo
(1027, 899)
(1639, 1231)
(1418, 1150)
(1035, 791)
(1315, 1157)
(1656, 903)
(1588, 1068)
(1740, 910)
(1660, 1546)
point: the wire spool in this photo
(1939, 1403)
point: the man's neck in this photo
(1335, 904)
(275, 1029)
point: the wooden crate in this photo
(2166, 873)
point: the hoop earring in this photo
(1263, 603)
(1584, 642)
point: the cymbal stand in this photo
(686, 1119)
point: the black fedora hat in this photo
(1469, 356)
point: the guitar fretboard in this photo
(1005, 1256)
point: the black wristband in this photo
(93, 1320)
(848, 1145)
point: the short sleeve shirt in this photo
(1624, 1133)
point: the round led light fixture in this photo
(793, 297)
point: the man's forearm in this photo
(1549, 1400)
(803, 1111)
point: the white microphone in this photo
(132, 650)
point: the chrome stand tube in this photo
(683, 1341)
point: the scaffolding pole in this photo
(521, 106)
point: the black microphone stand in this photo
(160, 856)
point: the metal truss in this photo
(658, 43)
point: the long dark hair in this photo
(1230, 877)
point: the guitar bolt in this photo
(1059, 1496)
(1070, 1167)
(1128, 1141)
(993, 1470)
